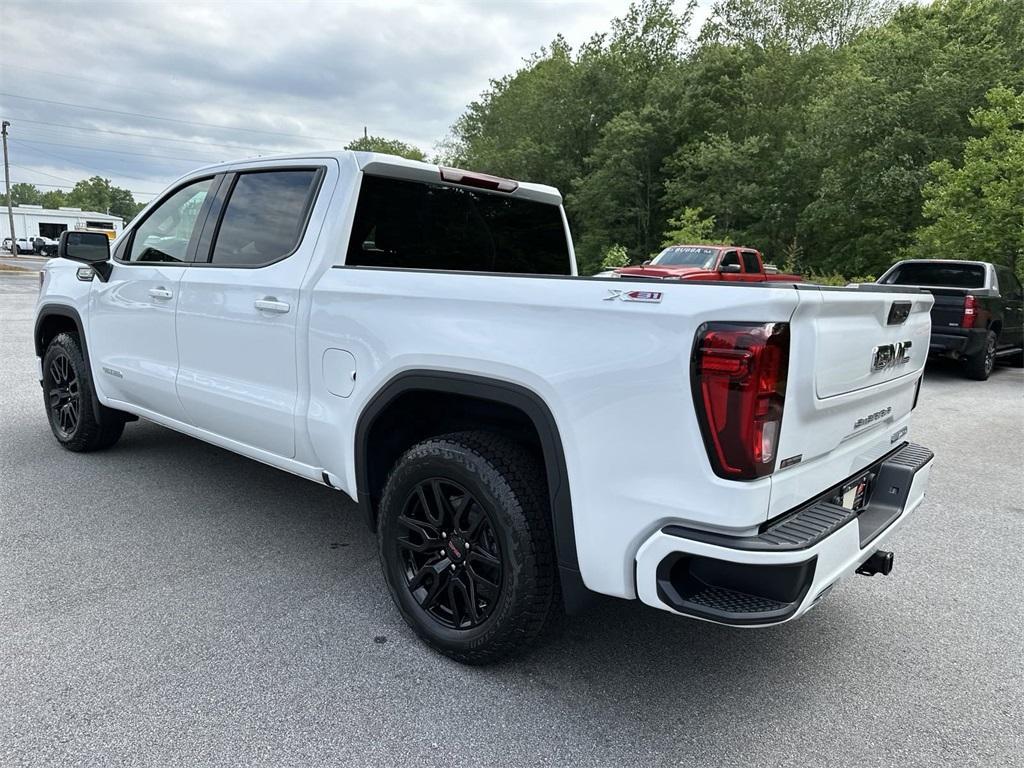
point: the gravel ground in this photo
(170, 603)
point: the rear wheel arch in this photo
(383, 432)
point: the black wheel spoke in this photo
(425, 505)
(63, 395)
(444, 507)
(449, 552)
(453, 601)
(483, 585)
(434, 591)
(467, 589)
(460, 512)
(427, 531)
(483, 556)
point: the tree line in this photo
(94, 194)
(837, 136)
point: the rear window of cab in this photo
(415, 225)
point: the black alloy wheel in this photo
(64, 395)
(465, 543)
(451, 555)
(980, 364)
(76, 419)
(990, 353)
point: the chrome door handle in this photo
(160, 293)
(270, 304)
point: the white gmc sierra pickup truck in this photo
(518, 437)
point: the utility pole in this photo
(7, 181)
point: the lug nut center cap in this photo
(456, 547)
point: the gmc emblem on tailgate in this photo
(890, 355)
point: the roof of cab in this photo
(391, 166)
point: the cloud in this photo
(235, 79)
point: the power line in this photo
(70, 186)
(106, 83)
(74, 162)
(166, 119)
(43, 173)
(120, 151)
(140, 135)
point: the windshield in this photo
(686, 256)
(948, 274)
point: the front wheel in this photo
(68, 393)
(466, 547)
(979, 365)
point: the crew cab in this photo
(707, 262)
(517, 437)
(978, 315)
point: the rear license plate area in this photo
(854, 495)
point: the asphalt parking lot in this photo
(169, 603)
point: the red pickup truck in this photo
(707, 262)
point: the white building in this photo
(36, 221)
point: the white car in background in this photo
(25, 245)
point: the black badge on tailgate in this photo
(899, 312)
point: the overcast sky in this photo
(236, 79)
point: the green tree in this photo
(976, 209)
(615, 256)
(690, 228)
(386, 146)
(23, 194)
(98, 194)
(619, 198)
(53, 199)
(796, 24)
(900, 101)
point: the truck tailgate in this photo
(848, 326)
(948, 311)
(854, 371)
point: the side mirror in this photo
(730, 268)
(646, 263)
(92, 248)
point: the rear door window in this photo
(1009, 285)
(264, 217)
(415, 225)
(750, 262)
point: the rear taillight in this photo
(970, 309)
(739, 390)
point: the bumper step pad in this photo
(731, 601)
(804, 527)
(734, 592)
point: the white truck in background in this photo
(517, 436)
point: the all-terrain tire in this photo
(508, 490)
(979, 365)
(68, 395)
